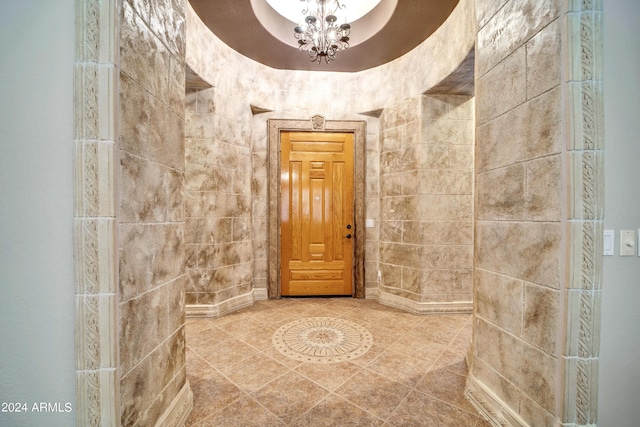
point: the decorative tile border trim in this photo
(97, 375)
(585, 144)
(179, 409)
(99, 388)
(415, 307)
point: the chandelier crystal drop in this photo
(321, 37)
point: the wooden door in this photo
(316, 218)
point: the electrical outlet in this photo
(379, 276)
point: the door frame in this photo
(316, 123)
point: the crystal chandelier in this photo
(321, 37)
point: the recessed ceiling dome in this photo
(292, 9)
(366, 19)
(386, 31)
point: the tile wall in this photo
(218, 239)
(426, 185)
(519, 252)
(225, 110)
(151, 212)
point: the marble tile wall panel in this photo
(166, 19)
(499, 300)
(148, 320)
(152, 217)
(145, 383)
(219, 195)
(159, 200)
(543, 67)
(530, 130)
(426, 198)
(528, 251)
(502, 88)
(541, 313)
(148, 128)
(520, 199)
(150, 255)
(506, 353)
(509, 28)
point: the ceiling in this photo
(409, 24)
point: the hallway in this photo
(413, 373)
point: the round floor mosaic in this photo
(322, 340)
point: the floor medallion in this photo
(322, 340)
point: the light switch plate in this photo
(369, 223)
(627, 242)
(609, 242)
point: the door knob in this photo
(348, 236)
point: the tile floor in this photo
(413, 375)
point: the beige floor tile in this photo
(254, 372)
(211, 390)
(399, 367)
(446, 386)
(281, 358)
(242, 326)
(373, 393)
(334, 411)
(454, 361)
(227, 353)
(413, 375)
(260, 339)
(366, 358)
(289, 396)
(425, 350)
(431, 332)
(422, 410)
(328, 375)
(382, 335)
(205, 334)
(245, 412)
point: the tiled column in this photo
(585, 145)
(539, 212)
(520, 261)
(95, 211)
(151, 220)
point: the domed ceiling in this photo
(387, 30)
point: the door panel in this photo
(317, 206)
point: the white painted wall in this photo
(36, 209)
(619, 393)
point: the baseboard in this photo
(260, 294)
(415, 307)
(226, 307)
(371, 293)
(179, 410)
(491, 406)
